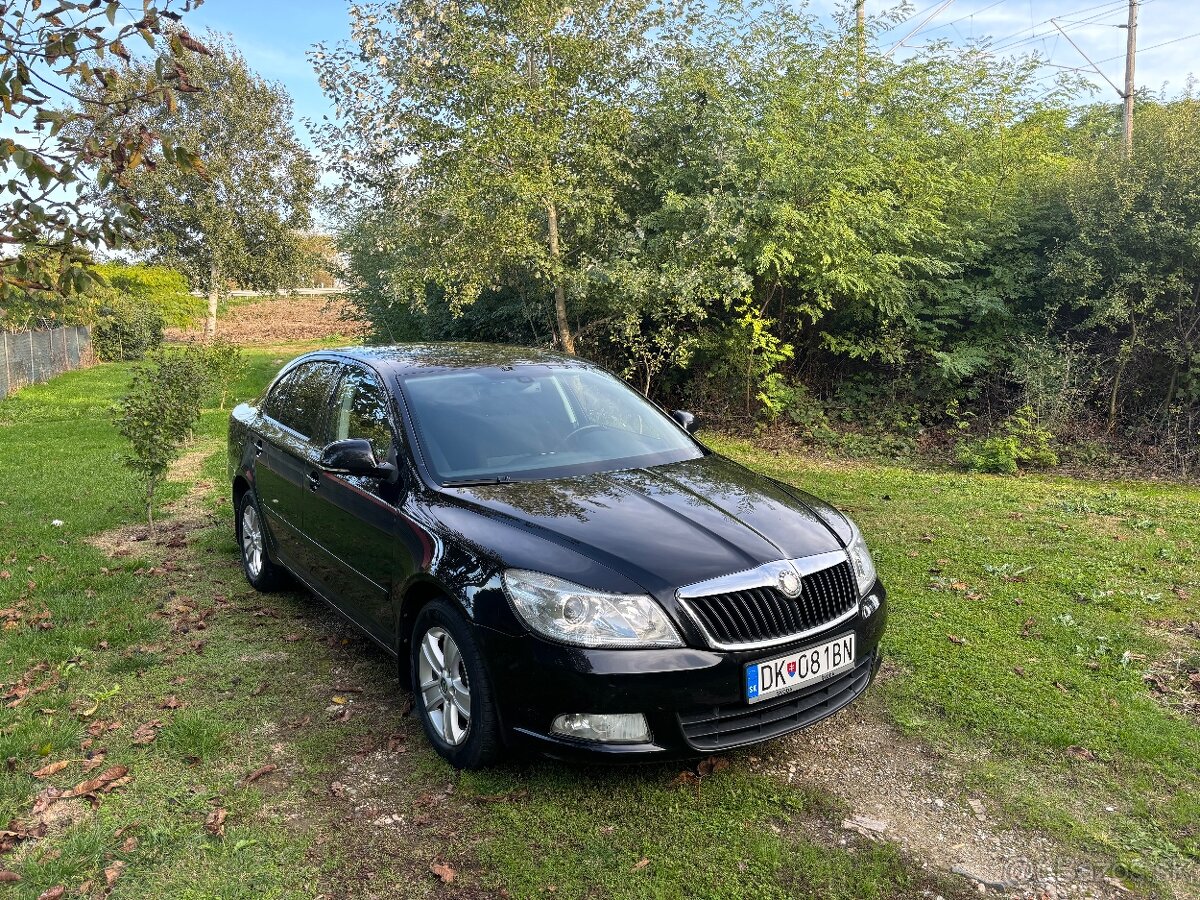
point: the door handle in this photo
(314, 480)
(258, 447)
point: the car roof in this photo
(403, 359)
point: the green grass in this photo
(1100, 569)
(257, 688)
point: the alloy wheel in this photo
(444, 686)
(252, 541)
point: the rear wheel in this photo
(451, 690)
(262, 574)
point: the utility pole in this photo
(860, 35)
(1130, 54)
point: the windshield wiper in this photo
(475, 482)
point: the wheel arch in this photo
(416, 596)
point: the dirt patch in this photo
(274, 320)
(176, 520)
(902, 791)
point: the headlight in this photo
(860, 561)
(587, 618)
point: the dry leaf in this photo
(104, 780)
(640, 864)
(1019, 670)
(260, 772)
(113, 872)
(146, 733)
(54, 767)
(443, 871)
(955, 639)
(171, 702)
(215, 823)
(7, 877)
(259, 690)
(1080, 753)
(52, 893)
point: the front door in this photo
(355, 521)
(286, 455)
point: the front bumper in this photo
(693, 699)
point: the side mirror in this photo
(354, 456)
(686, 420)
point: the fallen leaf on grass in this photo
(293, 638)
(1062, 687)
(146, 733)
(1019, 670)
(54, 767)
(301, 723)
(1081, 753)
(343, 715)
(113, 872)
(955, 639)
(443, 871)
(171, 702)
(104, 782)
(7, 877)
(52, 893)
(130, 844)
(260, 772)
(711, 764)
(258, 691)
(215, 823)
(337, 789)
(640, 864)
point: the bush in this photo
(164, 289)
(1022, 442)
(128, 330)
(223, 364)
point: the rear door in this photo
(354, 521)
(287, 453)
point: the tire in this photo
(262, 574)
(466, 742)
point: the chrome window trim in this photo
(766, 575)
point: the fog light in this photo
(608, 728)
(869, 605)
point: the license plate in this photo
(782, 674)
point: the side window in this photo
(360, 410)
(299, 401)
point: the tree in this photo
(238, 217)
(1130, 268)
(490, 136)
(158, 413)
(49, 155)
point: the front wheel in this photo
(262, 574)
(451, 688)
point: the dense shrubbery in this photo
(164, 289)
(127, 328)
(742, 212)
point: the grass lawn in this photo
(1026, 614)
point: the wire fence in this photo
(27, 357)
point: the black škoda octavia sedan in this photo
(554, 562)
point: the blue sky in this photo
(275, 34)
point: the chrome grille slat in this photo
(761, 615)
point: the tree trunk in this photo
(560, 293)
(210, 323)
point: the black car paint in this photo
(376, 550)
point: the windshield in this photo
(530, 422)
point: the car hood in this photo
(661, 527)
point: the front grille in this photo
(737, 724)
(763, 615)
